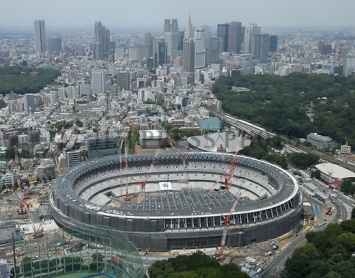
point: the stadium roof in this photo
(335, 170)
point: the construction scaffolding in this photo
(59, 252)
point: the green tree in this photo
(303, 160)
(316, 174)
(10, 153)
(195, 265)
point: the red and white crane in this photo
(184, 159)
(220, 256)
(228, 176)
(144, 182)
(127, 198)
(333, 182)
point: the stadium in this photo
(178, 200)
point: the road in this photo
(275, 267)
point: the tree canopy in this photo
(293, 105)
(266, 150)
(328, 253)
(25, 80)
(196, 265)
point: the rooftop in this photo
(335, 170)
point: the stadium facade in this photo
(190, 212)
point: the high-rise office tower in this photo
(262, 47)
(222, 32)
(102, 41)
(235, 37)
(123, 80)
(189, 55)
(201, 40)
(273, 43)
(250, 31)
(54, 45)
(167, 25)
(171, 35)
(174, 25)
(98, 81)
(40, 36)
(216, 45)
(189, 32)
(159, 52)
(149, 41)
(200, 54)
(188, 61)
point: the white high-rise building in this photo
(40, 36)
(250, 32)
(85, 90)
(71, 92)
(98, 81)
(349, 65)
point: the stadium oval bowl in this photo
(181, 201)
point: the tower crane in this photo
(144, 182)
(228, 176)
(16, 158)
(127, 198)
(220, 255)
(184, 159)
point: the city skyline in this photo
(119, 13)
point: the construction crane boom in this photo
(144, 182)
(228, 176)
(127, 198)
(225, 229)
(184, 159)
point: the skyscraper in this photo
(262, 47)
(98, 81)
(123, 80)
(250, 32)
(167, 25)
(222, 32)
(201, 40)
(149, 40)
(273, 43)
(171, 35)
(235, 37)
(188, 61)
(40, 36)
(54, 45)
(189, 32)
(214, 50)
(160, 52)
(102, 41)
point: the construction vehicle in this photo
(329, 211)
(32, 179)
(274, 246)
(38, 232)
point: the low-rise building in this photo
(334, 174)
(151, 138)
(102, 146)
(321, 142)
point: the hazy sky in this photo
(151, 13)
